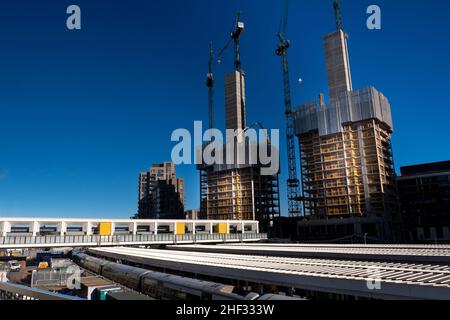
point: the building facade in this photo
(348, 176)
(192, 215)
(424, 192)
(161, 193)
(239, 192)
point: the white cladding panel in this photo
(350, 107)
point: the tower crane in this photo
(235, 37)
(293, 183)
(210, 85)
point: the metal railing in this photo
(96, 240)
(12, 291)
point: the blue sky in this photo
(83, 112)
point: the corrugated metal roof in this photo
(399, 280)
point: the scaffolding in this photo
(346, 156)
(239, 192)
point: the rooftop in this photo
(426, 168)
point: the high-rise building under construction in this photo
(236, 188)
(238, 191)
(348, 177)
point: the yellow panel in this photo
(104, 228)
(181, 228)
(16, 253)
(223, 228)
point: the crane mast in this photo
(337, 14)
(236, 35)
(210, 85)
(293, 183)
